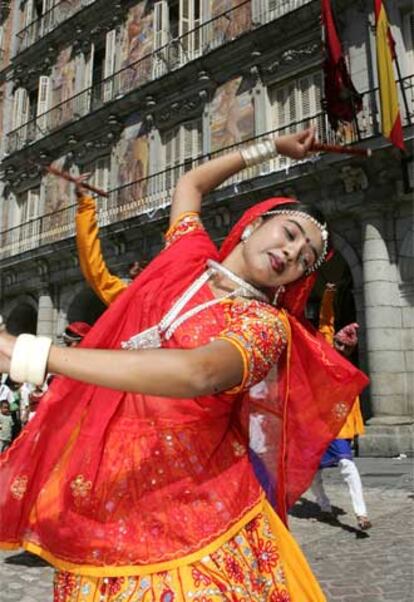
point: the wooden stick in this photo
(318, 147)
(66, 176)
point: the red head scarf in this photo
(309, 400)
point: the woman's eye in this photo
(289, 234)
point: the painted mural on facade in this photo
(5, 50)
(136, 43)
(234, 23)
(58, 194)
(62, 87)
(132, 158)
(232, 115)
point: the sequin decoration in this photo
(19, 486)
(185, 223)
(258, 329)
(80, 487)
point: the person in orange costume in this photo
(106, 286)
(339, 453)
(146, 490)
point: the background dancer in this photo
(147, 489)
(339, 452)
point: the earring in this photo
(279, 291)
(247, 232)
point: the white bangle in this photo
(29, 359)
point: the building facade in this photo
(138, 92)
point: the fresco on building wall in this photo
(232, 115)
(132, 158)
(136, 43)
(234, 23)
(62, 88)
(58, 223)
(7, 38)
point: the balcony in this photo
(174, 55)
(149, 195)
(60, 12)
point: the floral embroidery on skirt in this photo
(247, 568)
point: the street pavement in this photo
(352, 566)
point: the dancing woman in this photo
(134, 479)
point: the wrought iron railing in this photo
(49, 21)
(175, 54)
(153, 193)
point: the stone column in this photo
(45, 315)
(389, 430)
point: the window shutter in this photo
(109, 65)
(43, 103)
(258, 11)
(86, 98)
(160, 38)
(191, 16)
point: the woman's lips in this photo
(277, 264)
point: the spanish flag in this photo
(390, 111)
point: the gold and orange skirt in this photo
(261, 563)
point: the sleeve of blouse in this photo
(260, 334)
(185, 224)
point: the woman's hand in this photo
(296, 146)
(7, 342)
(79, 189)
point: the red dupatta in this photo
(308, 400)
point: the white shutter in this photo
(20, 108)
(86, 97)
(191, 16)
(258, 11)
(49, 16)
(160, 38)
(109, 65)
(43, 103)
(408, 36)
(29, 12)
(28, 18)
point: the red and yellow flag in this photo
(390, 111)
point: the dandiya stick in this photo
(340, 150)
(66, 176)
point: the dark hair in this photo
(4, 402)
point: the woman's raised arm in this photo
(203, 179)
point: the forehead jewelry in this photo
(322, 228)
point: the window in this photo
(109, 64)
(191, 17)
(28, 205)
(408, 37)
(182, 145)
(43, 105)
(100, 170)
(161, 38)
(296, 105)
(49, 15)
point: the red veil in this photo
(308, 399)
(305, 407)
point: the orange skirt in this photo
(262, 562)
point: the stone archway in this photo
(85, 306)
(22, 318)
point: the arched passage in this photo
(85, 307)
(22, 318)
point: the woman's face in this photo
(280, 250)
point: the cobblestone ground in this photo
(351, 566)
